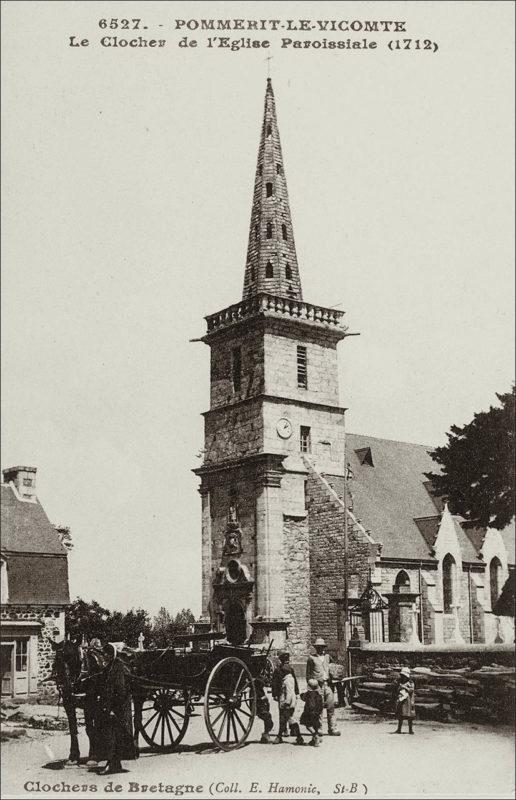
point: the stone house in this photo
(272, 481)
(34, 584)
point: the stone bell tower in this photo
(274, 405)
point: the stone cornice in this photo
(270, 398)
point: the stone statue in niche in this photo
(233, 535)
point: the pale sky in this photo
(127, 180)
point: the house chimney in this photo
(24, 479)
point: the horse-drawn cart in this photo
(168, 686)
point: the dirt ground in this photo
(440, 760)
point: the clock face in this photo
(284, 428)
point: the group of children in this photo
(285, 691)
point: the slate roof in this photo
(37, 566)
(393, 501)
(25, 526)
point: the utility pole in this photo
(346, 593)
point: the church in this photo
(291, 504)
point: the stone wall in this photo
(473, 681)
(326, 521)
(297, 583)
(51, 617)
(221, 367)
(280, 350)
(374, 658)
(233, 432)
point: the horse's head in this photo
(67, 665)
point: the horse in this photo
(78, 673)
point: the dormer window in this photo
(269, 270)
(279, 169)
(284, 231)
(288, 272)
(269, 129)
(268, 189)
(269, 230)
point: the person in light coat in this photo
(405, 700)
(318, 668)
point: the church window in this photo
(269, 270)
(402, 582)
(305, 444)
(495, 579)
(279, 169)
(448, 582)
(302, 375)
(269, 129)
(288, 272)
(269, 230)
(284, 231)
(22, 655)
(237, 369)
(4, 589)
(268, 189)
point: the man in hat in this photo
(318, 668)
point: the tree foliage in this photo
(477, 466)
(93, 620)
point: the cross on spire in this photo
(271, 264)
(268, 60)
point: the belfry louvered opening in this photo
(302, 373)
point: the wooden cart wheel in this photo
(165, 717)
(229, 703)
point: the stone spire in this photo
(271, 264)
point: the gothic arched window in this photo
(269, 270)
(288, 272)
(284, 231)
(448, 581)
(269, 230)
(495, 579)
(402, 580)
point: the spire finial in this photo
(268, 60)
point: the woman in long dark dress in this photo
(115, 699)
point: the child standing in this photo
(405, 700)
(285, 691)
(312, 712)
